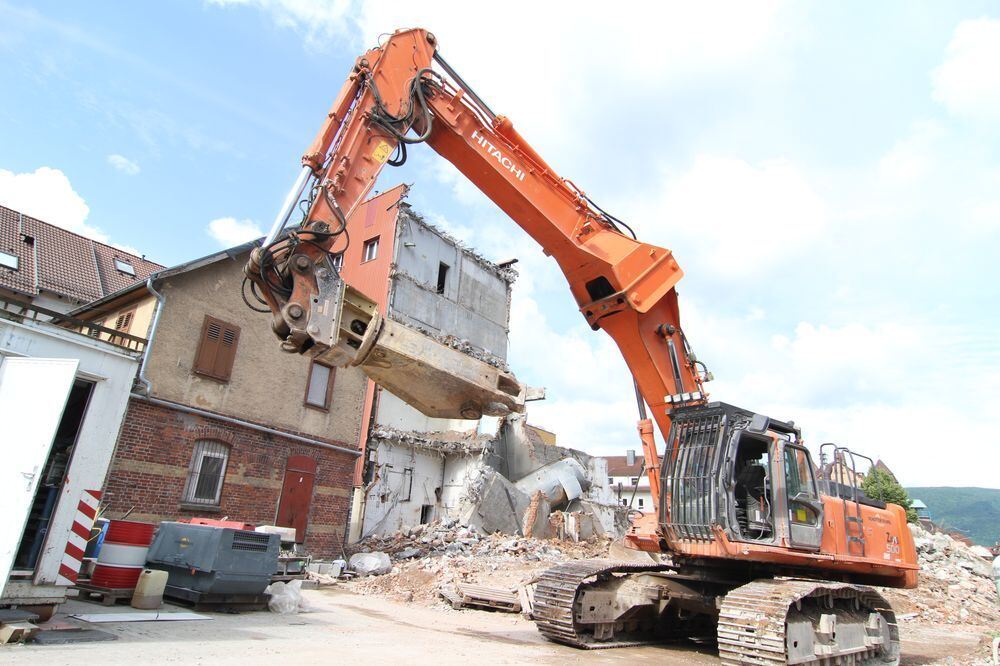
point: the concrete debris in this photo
(956, 585)
(464, 346)
(452, 553)
(561, 482)
(445, 443)
(370, 563)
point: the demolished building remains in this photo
(417, 469)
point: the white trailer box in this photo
(63, 395)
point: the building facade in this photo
(629, 482)
(224, 424)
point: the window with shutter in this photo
(123, 323)
(217, 349)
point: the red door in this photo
(296, 495)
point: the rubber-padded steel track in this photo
(752, 619)
(555, 599)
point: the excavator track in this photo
(555, 600)
(754, 623)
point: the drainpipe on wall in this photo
(160, 300)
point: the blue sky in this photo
(827, 174)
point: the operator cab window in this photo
(752, 489)
(805, 511)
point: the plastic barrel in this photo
(122, 556)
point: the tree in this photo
(881, 485)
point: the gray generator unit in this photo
(214, 560)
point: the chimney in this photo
(630, 457)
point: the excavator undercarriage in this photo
(594, 604)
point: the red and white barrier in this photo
(76, 544)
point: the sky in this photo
(827, 175)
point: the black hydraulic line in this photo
(465, 86)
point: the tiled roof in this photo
(58, 261)
(618, 466)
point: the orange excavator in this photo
(745, 541)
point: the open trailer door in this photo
(33, 394)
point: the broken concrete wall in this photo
(471, 303)
(417, 477)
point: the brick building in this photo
(222, 424)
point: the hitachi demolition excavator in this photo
(745, 540)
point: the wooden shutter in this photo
(217, 349)
(124, 321)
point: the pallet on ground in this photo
(107, 596)
(208, 601)
(468, 595)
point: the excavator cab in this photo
(745, 472)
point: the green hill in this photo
(972, 511)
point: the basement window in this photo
(640, 502)
(124, 267)
(8, 261)
(207, 471)
(634, 480)
(426, 513)
(370, 250)
(442, 277)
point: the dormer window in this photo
(8, 261)
(124, 267)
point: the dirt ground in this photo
(350, 627)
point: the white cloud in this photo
(734, 218)
(123, 164)
(968, 81)
(318, 20)
(914, 156)
(47, 194)
(228, 231)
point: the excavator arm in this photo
(395, 97)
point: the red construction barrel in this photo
(123, 554)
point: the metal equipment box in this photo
(214, 560)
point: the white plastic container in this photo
(149, 590)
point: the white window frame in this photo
(370, 250)
(11, 261)
(205, 448)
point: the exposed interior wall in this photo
(475, 302)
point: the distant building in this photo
(222, 423)
(629, 482)
(58, 270)
(923, 513)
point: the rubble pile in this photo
(425, 557)
(956, 585)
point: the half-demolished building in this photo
(416, 469)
